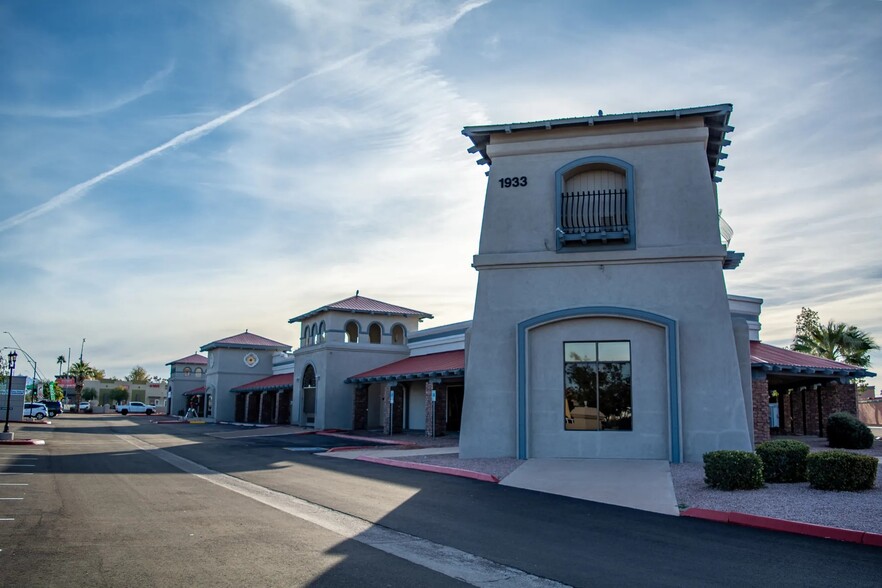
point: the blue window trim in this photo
(670, 326)
(558, 190)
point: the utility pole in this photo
(81, 350)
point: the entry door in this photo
(454, 407)
(416, 408)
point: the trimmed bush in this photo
(845, 431)
(783, 460)
(841, 470)
(733, 470)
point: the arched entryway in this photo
(308, 390)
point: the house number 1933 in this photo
(513, 182)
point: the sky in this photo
(177, 171)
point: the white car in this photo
(35, 410)
(84, 406)
(134, 408)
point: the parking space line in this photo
(13, 484)
(16, 473)
(6, 519)
(17, 498)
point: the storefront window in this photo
(597, 386)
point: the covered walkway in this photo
(266, 401)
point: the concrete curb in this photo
(376, 440)
(425, 467)
(773, 524)
(44, 422)
(24, 442)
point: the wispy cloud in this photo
(148, 87)
(78, 191)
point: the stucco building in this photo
(602, 325)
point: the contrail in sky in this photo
(76, 192)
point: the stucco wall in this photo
(229, 370)
(672, 268)
(649, 392)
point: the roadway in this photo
(116, 501)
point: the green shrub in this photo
(733, 470)
(845, 431)
(783, 460)
(840, 470)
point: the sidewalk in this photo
(675, 489)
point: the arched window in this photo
(314, 331)
(323, 336)
(595, 203)
(351, 332)
(187, 371)
(198, 372)
(398, 335)
(375, 332)
(305, 337)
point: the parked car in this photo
(53, 406)
(35, 410)
(85, 406)
(134, 408)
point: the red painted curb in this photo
(874, 539)
(796, 527)
(24, 442)
(425, 467)
(708, 515)
(809, 529)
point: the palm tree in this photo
(81, 371)
(60, 361)
(836, 341)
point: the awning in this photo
(195, 391)
(277, 382)
(769, 358)
(448, 364)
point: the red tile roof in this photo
(192, 359)
(365, 305)
(246, 340)
(271, 383)
(195, 391)
(447, 363)
(764, 355)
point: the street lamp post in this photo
(11, 357)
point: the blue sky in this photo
(346, 169)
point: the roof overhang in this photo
(456, 373)
(716, 119)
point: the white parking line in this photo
(19, 498)
(20, 458)
(13, 484)
(5, 519)
(461, 565)
(16, 473)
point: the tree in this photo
(90, 394)
(81, 371)
(118, 395)
(60, 361)
(99, 374)
(806, 320)
(836, 341)
(138, 375)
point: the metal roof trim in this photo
(480, 134)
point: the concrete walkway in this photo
(633, 483)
